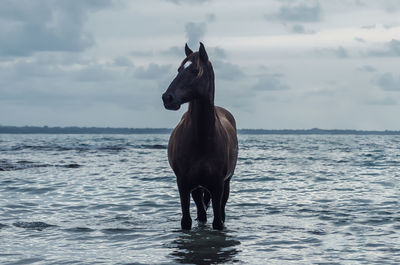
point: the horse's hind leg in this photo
(216, 197)
(225, 197)
(207, 198)
(198, 198)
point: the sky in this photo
(279, 64)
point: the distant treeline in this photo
(317, 131)
(108, 130)
(81, 130)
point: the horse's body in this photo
(202, 149)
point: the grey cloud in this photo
(367, 68)
(300, 29)
(152, 72)
(390, 6)
(270, 82)
(387, 101)
(95, 73)
(142, 53)
(388, 82)
(386, 26)
(369, 26)
(179, 2)
(32, 26)
(374, 26)
(392, 48)
(195, 32)
(359, 39)
(175, 51)
(226, 71)
(211, 17)
(37, 69)
(58, 88)
(216, 53)
(123, 61)
(297, 13)
(339, 52)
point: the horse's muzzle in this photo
(170, 101)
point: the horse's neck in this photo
(203, 116)
(202, 113)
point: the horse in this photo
(203, 148)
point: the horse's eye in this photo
(194, 71)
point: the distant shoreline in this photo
(108, 130)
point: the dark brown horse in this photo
(203, 148)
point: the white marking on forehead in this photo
(186, 65)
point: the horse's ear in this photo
(188, 51)
(203, 53)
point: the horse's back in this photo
(229, 125)
(225, 116)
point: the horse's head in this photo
(192, 80)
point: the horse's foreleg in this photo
(186, 221)
(216, 198)
(225, 197)
(198, 198)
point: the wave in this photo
(33, 225)
(6, 165)
(153, 146)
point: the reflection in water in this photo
(204, 246)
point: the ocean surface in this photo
(112, 199)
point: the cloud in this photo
(373, 26)
(339, 52)
(80, 87)
(216, 53)
(367, 69)
(195, 32)
(226, 70)
(123, 61)
(152, 72)
(300, 29)
(33, 26)
(270, 82)
(179, 2)
(392, 48)
(211, 17)
(390, 6)
(141, 53)
(387, 101)
(359, 39)
(95, 73)
(176, 51)
(297, 13)
(388, 82)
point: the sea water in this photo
(112, 199)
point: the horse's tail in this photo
(207, 198)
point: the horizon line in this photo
(27, 129)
